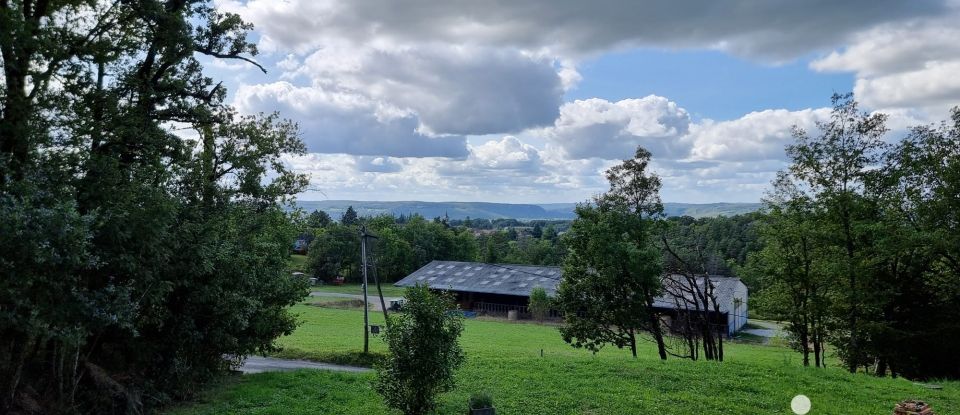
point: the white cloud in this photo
(904, 66)
(390, 91)
(612, 130)
(756, 136)
(338, 122)
(508, 153)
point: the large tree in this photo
(134, 257)
(834, 166)
(612, 272)
(794, 268)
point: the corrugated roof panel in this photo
(521, 279)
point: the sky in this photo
(530, 102)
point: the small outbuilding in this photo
(497, 289)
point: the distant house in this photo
(301, 244)
(497, 288)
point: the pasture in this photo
(505, 359)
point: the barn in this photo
(497, 288)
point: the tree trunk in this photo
(633, 343)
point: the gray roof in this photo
(484, 278)
(521, 279)
(724, 290)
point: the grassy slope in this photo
(504, 359)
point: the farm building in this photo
(497, 289)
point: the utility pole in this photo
(366, 317)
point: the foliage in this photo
(859, 255)
(335, 252)
(540, 303)
(793, 267)
(133, 258)
(481, 400)
(423, 352)
(319, 219)
(611, 275)
(349, 217)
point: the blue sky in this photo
(482, 100)
(710, 84)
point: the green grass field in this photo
(505, 359)
(388, 289)
(298, 263)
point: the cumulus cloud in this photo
(612, 130)
(758, 135)
(387, 93)
(507, 153)
(910, 65)
(337, 122)
(775, 29)
(452, 89)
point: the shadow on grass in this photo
(342, 358)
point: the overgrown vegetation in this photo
(140, 228)
(861, 244)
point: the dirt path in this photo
(258, 364)
(372, 298)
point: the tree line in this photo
(860, 244)
(405, 243)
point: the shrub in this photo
(423, 352)
(539, 303)
(481, 400)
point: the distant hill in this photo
(484, 210)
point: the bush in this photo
(539, 303)
(423, 352)
(481, 400)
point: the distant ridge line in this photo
(494, 210)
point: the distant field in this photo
(504, 358)
(298, 263)
(388, 289)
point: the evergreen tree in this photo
(349, 217)
(318, 219)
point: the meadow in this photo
(530, 370)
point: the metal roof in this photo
(520, 280)
(484, 278)
(724, 290)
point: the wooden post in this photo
(366, 317)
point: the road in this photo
(372, 298)
(769, 330)
(258, 364)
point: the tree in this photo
(335, 252)
(130, 254)
(537, 231)
(318, 219)
(349, 217)
(540, 303)
(550, 233)
(612, 272)
(916, 254)
(793, 266)
(423, 352)
(609, 280)
(835, 166)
